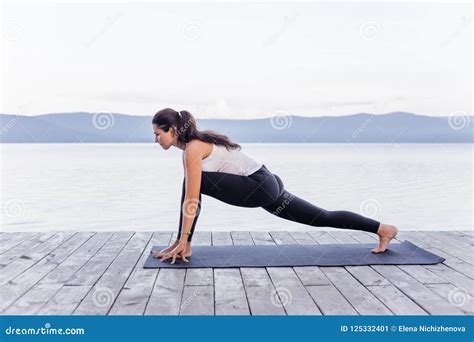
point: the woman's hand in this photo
(159, 254)
(178, 251)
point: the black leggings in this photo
(266, 190)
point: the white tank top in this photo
(232, 161)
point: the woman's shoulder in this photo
(198, 147)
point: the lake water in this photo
(138, 186)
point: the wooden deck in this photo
(100, 273)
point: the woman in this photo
(215, 166)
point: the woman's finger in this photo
(165, 257)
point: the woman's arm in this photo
(192, 160)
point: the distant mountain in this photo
(398, 127)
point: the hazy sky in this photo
(237, 60)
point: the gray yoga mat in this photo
(405, 253)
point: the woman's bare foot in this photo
(386, 232)
(159, 254)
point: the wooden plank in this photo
(241, 238)
(230, 293)
(289, 288)
(343, 237)
(104, 292)
(451, 261)
(282, 238)
(167, 293)
(328, 299)
(454, 241)
(458, 235)
(62, 273)
(65, 301)
(98, 264)
(396, 300)
(201, 238)
(221, 239)
(389, 295)
(197, 300)
(360, 298)
(302, 238)
(419, 293)
(456, 296)
(261, 294)
(322, 237)
(33, 300)
(31, 257)
(363, 301)
(198, 291)
(423, 274)
(262, 238)
(451, 275)
(429, 240)
(26, 280)
(23, 247)
(134, 296)
(15, 239)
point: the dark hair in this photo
(185, 128)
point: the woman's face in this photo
(165, 139)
